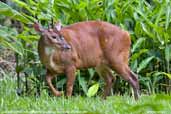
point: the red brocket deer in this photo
(86, 44)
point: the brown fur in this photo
(93, 44)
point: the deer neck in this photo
(44, 51)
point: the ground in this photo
(10, 102)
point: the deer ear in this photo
(37, 27)
(58, 26)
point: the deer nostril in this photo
(66, 46)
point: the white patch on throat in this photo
(49, 50)
(51, 62)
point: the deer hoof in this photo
(58, 94)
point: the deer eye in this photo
(54, 37)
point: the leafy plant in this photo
(93, 90)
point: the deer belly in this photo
(92, 60)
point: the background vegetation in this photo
(148, 22)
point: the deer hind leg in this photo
(121, 67)
(106, 73)
(124, 71)
(49, 78)
(135, 84)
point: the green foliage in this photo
(82, 82)
(8, 11)
(144, 63)
(93, 90)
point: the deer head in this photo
(52, 37)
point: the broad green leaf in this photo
(138, 54)
(162, 73)
(137, 44)
(83, 84)
(144, 27)
(91, 72)
(134, 65)
(61, 83)
(93, 90)
(144, 63)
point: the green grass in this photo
(10, 102)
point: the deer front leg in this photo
(49, 78)
(70, 72)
